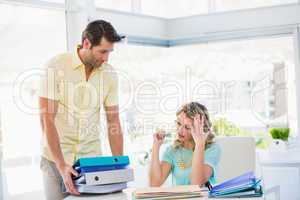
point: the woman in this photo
(194, 157)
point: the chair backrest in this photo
(237, 156)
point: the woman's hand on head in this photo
(159, 137)
(197, 131)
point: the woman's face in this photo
(184, 127)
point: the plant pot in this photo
(278, 145)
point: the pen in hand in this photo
(208, 185)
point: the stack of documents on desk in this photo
(245, 185)
(176, 192)
(101, 175)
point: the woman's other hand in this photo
(158, 138)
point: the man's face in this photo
(99, 54)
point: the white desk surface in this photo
(126, 195)
(280, 159)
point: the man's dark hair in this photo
(97, 29)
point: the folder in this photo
(100, 175)
(244, 179)
(106, 177)
(82, 170)
(101, 189)
(256, 192)
(245, 185)
(102, 163)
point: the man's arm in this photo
(48, 110)
(115, 135)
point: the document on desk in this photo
(176, 192)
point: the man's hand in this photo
(66, 171)
(48, 110)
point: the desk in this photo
(126, 195)
(281, 174)
(288, 159)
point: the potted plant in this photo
(280, 137)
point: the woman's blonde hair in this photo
(191, 110)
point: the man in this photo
(75, 87)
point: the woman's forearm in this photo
(155, 169)
(198, 175)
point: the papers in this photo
(187, 191)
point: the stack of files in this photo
(176, 192)
(245, 185)
(100, 175)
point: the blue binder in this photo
(257, 192)
(247, 178)
(101, 189)
(102, 163)
(245, 185)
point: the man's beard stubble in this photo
(92, 63)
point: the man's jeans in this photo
(53, 182)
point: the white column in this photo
(1, 157)
(1, 176)
(212, 6)
(136, 6)
(78, 14)
(297, 75)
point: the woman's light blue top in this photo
(182, 176)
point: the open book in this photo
(176, 192)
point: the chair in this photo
(237, 156)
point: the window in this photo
(251, 81)
(120, 5)
(55, 1)
(183, 8)
(174, 8)
(31, 36)
(236, 80)
(227, 5)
